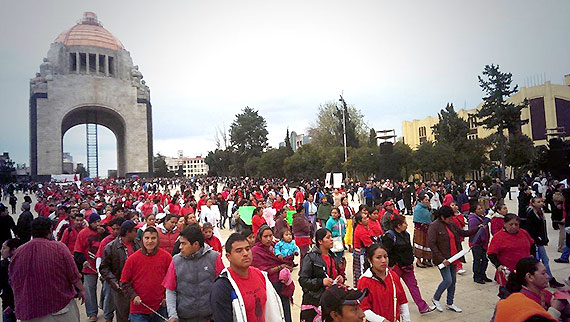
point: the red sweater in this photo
(380, 299)
(146, 273)
(215, 243)
(87, 243)
(256, 223)
(361, 237)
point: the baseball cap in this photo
(338, 295)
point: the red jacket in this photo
(215, 243)
(166, 240)
(380, 299)
(69, 237)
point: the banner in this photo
(290, 214)
(245, 213)
(328, 180)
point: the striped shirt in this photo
(42, 275)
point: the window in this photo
(82, 62)
(472, 136)
(102, 64)
(111, 66)
(73, 62)
(422, 131)
(92, 63)
(472, 122)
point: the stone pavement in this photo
(477, 301)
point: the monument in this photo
(89, 78)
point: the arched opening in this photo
(110, 128)
(75, 153)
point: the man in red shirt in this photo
(86, 247)
(141, 279)
(71, 232)
(244, 288)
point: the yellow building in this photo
(548, 112)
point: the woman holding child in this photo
(265, 259)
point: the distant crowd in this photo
(155, 248)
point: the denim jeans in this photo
(90, 283)
(148, 317)
(449, 275)
(107, 301)
(9, 317)
(480, 263)
(565, 253)
(543, 257)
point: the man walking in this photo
(242, 292)
(190, 278)
(112, 263)
(45, 278)
(86, 246)
(24, 225)
(142, 278)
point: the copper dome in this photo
(89, 32)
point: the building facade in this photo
(296, 140)
(88, 77)
(191, 167)
(548, 111)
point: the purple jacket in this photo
(483, 239)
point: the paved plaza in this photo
(477, 301)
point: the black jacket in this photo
(312, 275)
(7, 295)
(536, 227)
(399, 248)
(24, 226)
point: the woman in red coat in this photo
(386, 300)
(362, 240)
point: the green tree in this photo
(271, 162)
(160, 167)
(7, 171)
(496, 112)
(219, 162)
(326, 131)
(248, 136)
(288, 141)
(82, 172)
(520, 153)
(251, 166)
(452, 131)
(372, 142)
(363, 162)
(306, 163)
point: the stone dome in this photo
(89, 32)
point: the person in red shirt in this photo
(70, 233)
(278, 203)
(362, 240)
(508, 247)
(142, 277)
(167, 233)
(243, 291)
(374, 225)
(299, 197)
(86, 246)
(257, 220)
(386, 300)
(210, 239)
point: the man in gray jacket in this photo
(113, 261)
(190, 278)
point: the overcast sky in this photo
(206, 60)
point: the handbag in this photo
(338, 244)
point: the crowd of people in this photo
(154, 248)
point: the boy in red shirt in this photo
(142, 277)
(210, 239)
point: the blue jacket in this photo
(422, 214)
(368, 193)
(285, 249)
(337, 227)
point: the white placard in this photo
(455, 257)
(328, 180)
(337, 180)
